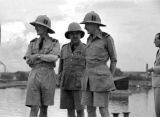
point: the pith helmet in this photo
(92, 17)
(43, 20)
(74, 27)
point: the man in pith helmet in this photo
(98, 79)
(71, 70)
(41, 56)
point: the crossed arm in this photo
(50, 57)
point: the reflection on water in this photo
(11, 103)
(139, 103)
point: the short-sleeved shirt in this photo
(72, 66)
(99, 50)
(42, 80)
(50, 46)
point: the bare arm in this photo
(53, 55)
(48, 57)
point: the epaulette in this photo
(64, 45)
(84, 44)
(33, 40)
(54, 40)
(104, 34)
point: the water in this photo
(139, 103)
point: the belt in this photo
(40, 65)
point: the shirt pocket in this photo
(46, 50)
(98, 48)
(78, 82)
(102, 70)
(79, 55)
(65, 55)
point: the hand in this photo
(29, 61)
(150, 70)
(58, 80)
(58, 84)
(34, 57)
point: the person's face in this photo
(40, 29)
(75, 37)
(90, 27)
(157, 41)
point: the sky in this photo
(133, 25)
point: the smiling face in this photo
(41, 30)
(157, 40)
(75, 37)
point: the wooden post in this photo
(147, 74)
(146, 67)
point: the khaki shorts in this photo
(96, 99)
(71, 100)
(41, 87)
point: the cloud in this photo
(12, 29)
(14, 45)
(133, 26)
(13, 10)
(12, 52)
(132, 23)
(115, 4)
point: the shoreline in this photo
(11, 84)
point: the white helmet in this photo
(92, 17)
(74, 27)
(43, 20)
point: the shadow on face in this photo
(75, 37)
(41, 29)
(91, 27)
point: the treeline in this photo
(23, 75)
(19, 75)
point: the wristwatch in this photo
(39, 56)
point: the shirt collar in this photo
(45, 38)
(71, 44)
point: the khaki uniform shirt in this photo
(50, 46)
(42, 79)
(99, 50)
(72, 66)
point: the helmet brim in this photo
(69, 32)
(38, 23)
(93, 22)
